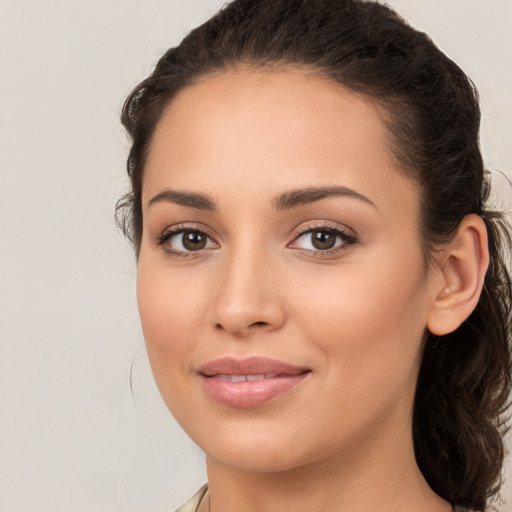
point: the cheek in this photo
(368, 320)
(171, 316)
(172, 319)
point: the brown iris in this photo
(193, 240)
(322, 239)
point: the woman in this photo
(321, 284)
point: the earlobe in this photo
(462, 265)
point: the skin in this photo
(357, 318)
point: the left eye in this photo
(322, 239)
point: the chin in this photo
(250, 449)
(257, 459)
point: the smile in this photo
(249, 382)
(243, 378)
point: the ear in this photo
(462, 265)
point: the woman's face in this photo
(281, 285)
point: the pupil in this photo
(194, 241)
(323, 239)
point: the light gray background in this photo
(71, 436)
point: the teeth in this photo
(243, 378)
(255, 377)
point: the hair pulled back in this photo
(433, 118)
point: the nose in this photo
(246, 299)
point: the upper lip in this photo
(249, 366)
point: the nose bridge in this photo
(246, 296)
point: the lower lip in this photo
(247, 394)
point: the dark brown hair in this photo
(433, 119)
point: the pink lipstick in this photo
(245, 383)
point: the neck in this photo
(381, 476)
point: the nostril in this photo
(254, 325)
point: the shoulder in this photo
(193, 503)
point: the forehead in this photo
(256, 131)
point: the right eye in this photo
(181, 241)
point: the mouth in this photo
(244, 378)
(252, 382)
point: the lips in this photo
(243, 378)
(251, 382)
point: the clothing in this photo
(193, 503)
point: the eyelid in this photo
(322, 224)
(176, 229)
(187, 226)
(346, 234)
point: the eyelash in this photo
(169, 233)
(348, 240)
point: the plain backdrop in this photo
(73, 435)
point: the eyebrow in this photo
(301, 197)
(189, 199)
(285, 201)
